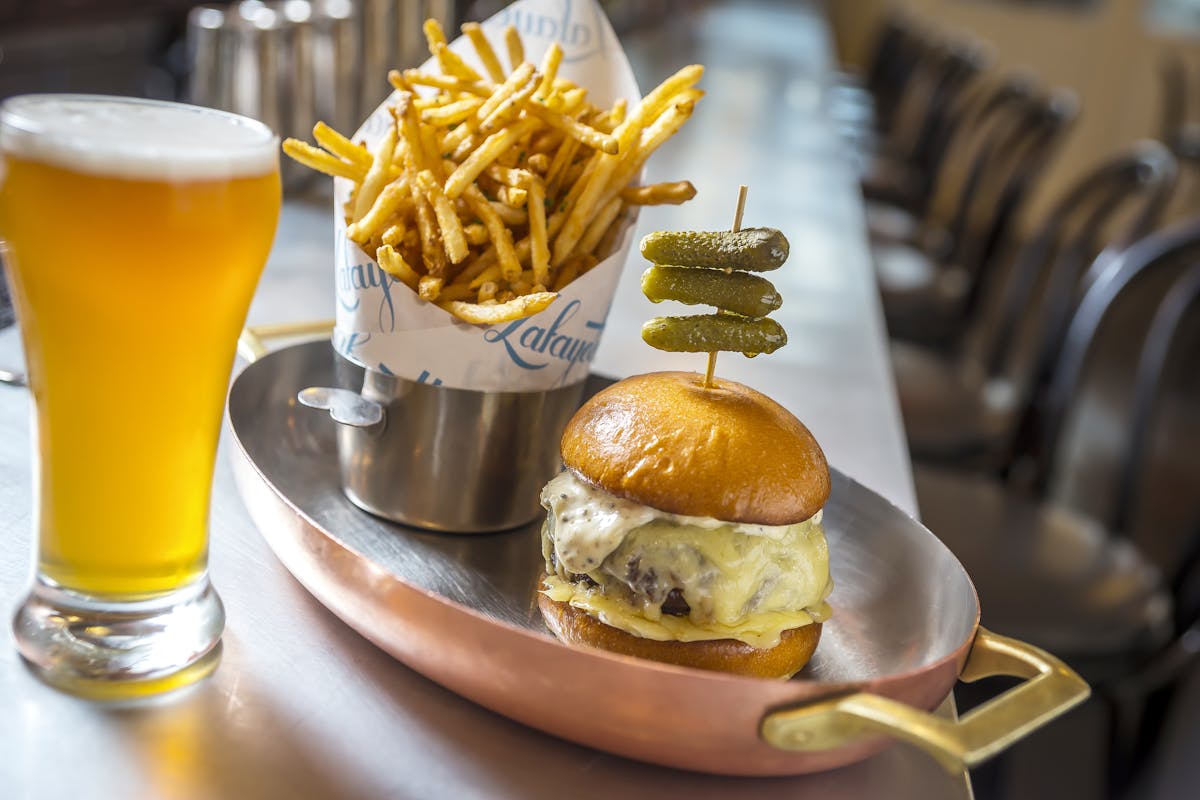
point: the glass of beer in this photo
(135, 232)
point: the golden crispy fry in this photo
(516, 308)
(434, 35)
(507, 111)
(340, 146)
(513, 196)
(394, 235)
(394, 264)
(457, 291)
(482, 189)
(607, 121)
(465, 146)
(539, 248)
(490, 274)
(452, 64)
(573, 127)
(487, 291)
(568, 237)
(505, 90)
(515, 47)
(377, 176)
(416, 77)
(549, 70)
(559, 164)
(659, 193)
(476, 233)
(569, 101)
(653, 104)
(663, 128)
(381, 211)
(618, 110)
(545, 141)
(508, 176)
(484, 155)
(422, 103)
(453, 238)
(429, 287)
(596, 228)
(433, 254)
(608, 242)
(508, 214)
(487, 56)
(318, 159)
(500, 235)
(452, 113)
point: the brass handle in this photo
(251, 345)
(1052, 689)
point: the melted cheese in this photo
(745, 582)
(590, 523)
(758, 630)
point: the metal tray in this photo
(462, 611)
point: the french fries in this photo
(495, 187)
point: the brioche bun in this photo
(727, 452)
(785, 659)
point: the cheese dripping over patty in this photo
(620, 561)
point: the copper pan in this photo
(461, 610)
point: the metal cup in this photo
(445, 459)
(210, 57)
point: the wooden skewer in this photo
(737, 226)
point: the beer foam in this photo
(136, 139)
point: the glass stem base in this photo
(112, 649)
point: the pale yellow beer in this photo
(136, 233)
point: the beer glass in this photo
(135, 233)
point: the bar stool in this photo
(965, 407)
(1082, 583)
(929, 285)
(899, 171)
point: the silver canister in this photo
(444, 459)
(210, 57)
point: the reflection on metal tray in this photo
(462, 610)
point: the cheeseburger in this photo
(686, 528)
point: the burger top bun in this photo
(727, 452)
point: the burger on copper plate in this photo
(686, 528)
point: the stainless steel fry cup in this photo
(440, 458)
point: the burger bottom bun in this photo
(785, 659)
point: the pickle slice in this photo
(705, 333)
(753, 249)
(739, 292)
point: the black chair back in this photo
(1001, 181)
(1168, 253)
(1017, 337)
(898, 48)
(1178, 128)
(929, 99)
(1180, 301)
(979, 114)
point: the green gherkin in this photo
(705, 333)
(752, 249)
(739, 292)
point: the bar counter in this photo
(302, 706)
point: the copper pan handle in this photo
(1052, 689)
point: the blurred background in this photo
(1031, 182)
(1029, 171)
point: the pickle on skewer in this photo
(706, 333)
(753, 249)
(739, 292)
